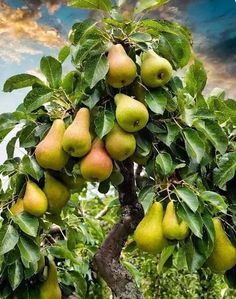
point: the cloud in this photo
(52, 5)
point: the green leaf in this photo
(36, 98)
(146, 197)
(15, 274)
(226, 169)
(145, 5)
(156, 100)
(82, 52)
(30, 166)
(104, 122)
(29, 250)
(27, 223)
(27, 136)
(104, 5)
(52, 70)
(92, 100)
(213, 132)
(164, 164)
(11, 147)
(96, 70)
(141, 37)
(165, 255)
(196, 78)
(8, 121)
(20, 81)
(8, 238)
(188, 197)
(172, 133)
(61, 251)
(63, 53)
(194, 145)
(215, 199)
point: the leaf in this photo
(96, 70)
(145, 5)
(8, 121)
(196, 78)
(188, 197)
(27, 223)
(213, 132)
(165, 255)
(194, 145)
(29, 251)
(15, 274)
(20, 81)
(36, 98)
(215, 199)
(63, 53)
(146, 197)
(82, 52)
(164, 164)
(61, 251)
(52, 70)
(104, 5)
(92, 100)
(172, 133)
(104, 122)
(8, 238)
(27, 136)
(141, 37)
(11, 147)
(30, 166)
(195, 259)
(156, 100)
(226, 169)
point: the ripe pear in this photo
(131, 114)
(122, 69)
(149, 234)
(56, 192)
(97, 165)
(17, 207)
(223, 256)
(50, 288)
(119, 144)
(49, 152)
(77, 139)
(172, 229)
(155, 70)
(35, 200)
(75, 184)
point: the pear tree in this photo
(121, 120)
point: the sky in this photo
(30, 29)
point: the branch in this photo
(106, 261)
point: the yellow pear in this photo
(119, 144)
(223, 256)
(17, 207)
(97, 165)
(172, 229)
(49, 152)
(56, 192)
(131, 114)
(149, 234)
(122, 69)
(77, 139)
(75, 184)
(35, 201)
(155, 70)
(50, 288)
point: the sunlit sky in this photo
(31, 29)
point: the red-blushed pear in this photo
(97, 164)
(131, 114)
(155, 70)
(77, 139)
(35, 200)
(122, 69)
(49, 152)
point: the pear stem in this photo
(106, 261)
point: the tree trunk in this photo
(106, 261)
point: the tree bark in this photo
(106, 261)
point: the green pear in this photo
(119, 144)
(49, 152)
(223, 256)
(172, 229)
(155, 70)
(56, 192)
(35, 200)
(77, 139)
(17, 207)
(131, 114)
(74, 183)
(149, 235)
(122, 69)
(97, 165)
(50, 289)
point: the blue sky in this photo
(29, 32)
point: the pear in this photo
(97, 165)
(35, 201)
(172, 229)
(119, 144)
(56, 192)
(131, 114)
(122, 69)
(155, 70)
(49, 152)
(50, 288)
(17, 207)
(223, 256)
(77, 139)
(75, 184)
(149, 235)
